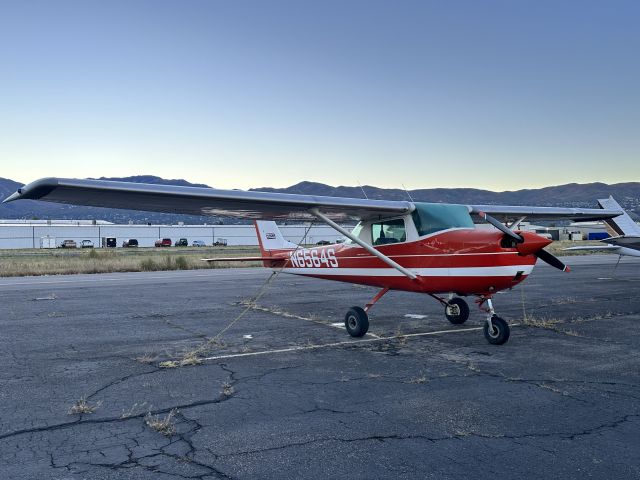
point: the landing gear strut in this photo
(496, 330)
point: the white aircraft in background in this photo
(627, 240)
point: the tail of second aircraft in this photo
(622, 224)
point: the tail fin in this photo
(270, 238)
(622, 224)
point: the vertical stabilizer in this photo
(270, 238)
(622, 224)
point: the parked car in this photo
(198, 243)
(68, 244)
(164, 242)
(109, 242)
(221, 242)
(132, 242)
(183, 242)
(86, 244)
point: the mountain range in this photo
(569, 195)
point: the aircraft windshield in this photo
(433, 217)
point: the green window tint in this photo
(433, 217)
(388, 231)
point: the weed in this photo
(169, 364)
(133, 410)
(548, 323)
(564, 300)
(83, 407)
(418, 380)
(399, 334)
(227, 389)
(166, 426)
(146, 358)
(190, 358)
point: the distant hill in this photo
(570, 195)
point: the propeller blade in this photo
(552, 260)
(502, 227)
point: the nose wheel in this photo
(496, 330)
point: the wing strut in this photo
(364, 245)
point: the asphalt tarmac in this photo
(287, 394)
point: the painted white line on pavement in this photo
(337, 344)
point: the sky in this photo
(498, 95)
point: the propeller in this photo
(551, 260)
(519, 239)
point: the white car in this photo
(198, 243)
(86, 244)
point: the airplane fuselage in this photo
(461, 261)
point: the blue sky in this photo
(498, 95)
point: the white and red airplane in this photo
(430, 248)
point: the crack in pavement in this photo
(383, 438)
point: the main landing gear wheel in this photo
(498, 332)
(456, 311)
(356, 321)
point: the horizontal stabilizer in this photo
(592, 247)
(630, 241)
(243, 259)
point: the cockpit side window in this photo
(388, 231)
(355, 232)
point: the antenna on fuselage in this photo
(363, 192)
(407, 192)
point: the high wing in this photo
(513, 213)
(256, 205)
(203, 201)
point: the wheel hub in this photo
(453, 310)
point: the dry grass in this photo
(565, 300)
(82, 407)
(164, 425)
(146, 358)
(227, 389)
(548, 323)
(62, 262)
(557, 247)
(133, 411)
(418, 380)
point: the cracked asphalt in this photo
(284, 394)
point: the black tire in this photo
(500, 332)
(356, 321)
(457, 311)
